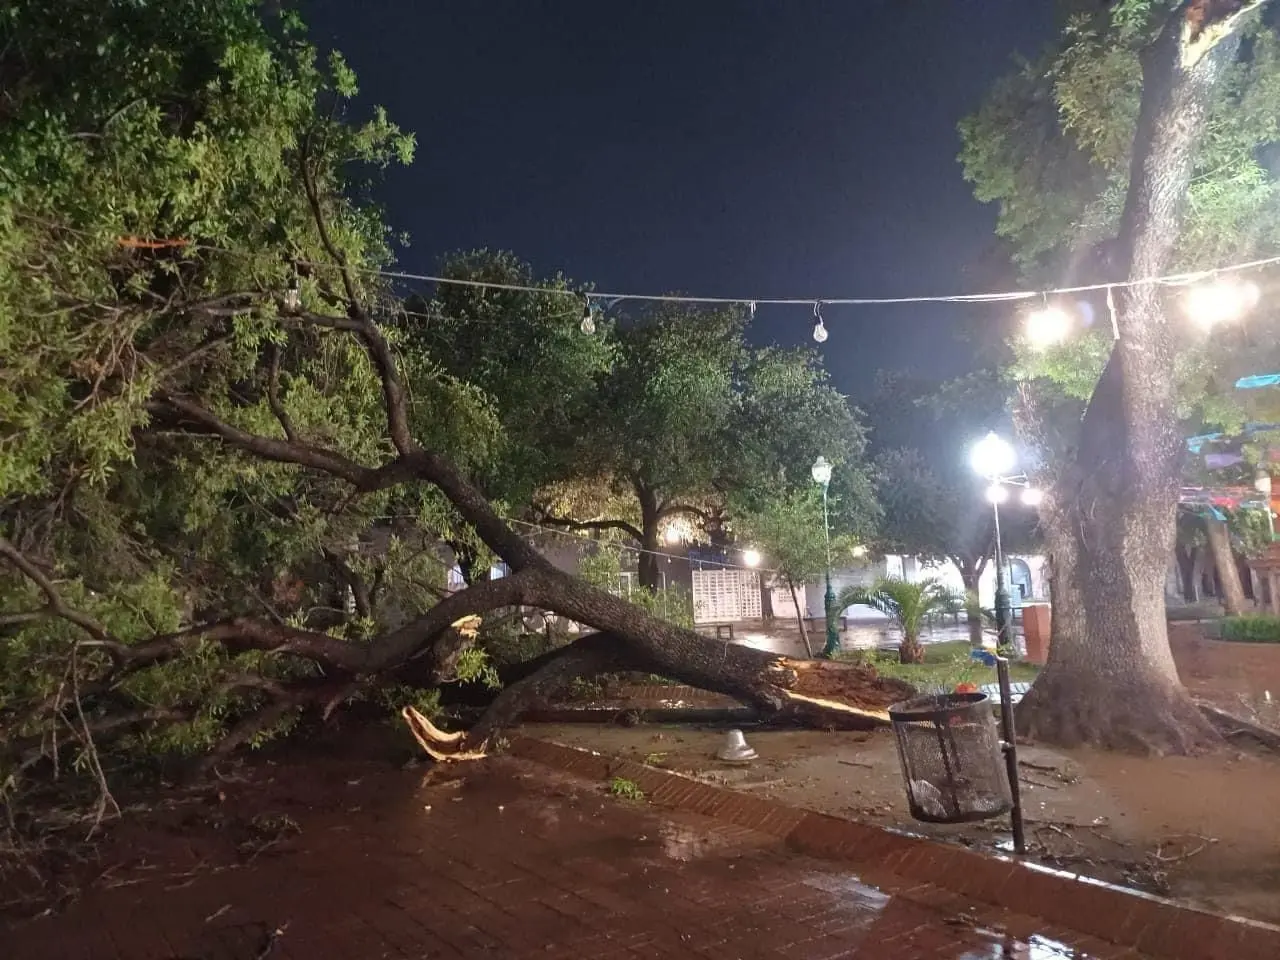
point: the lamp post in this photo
(1262, 483)
(993, 459)
(821, 472)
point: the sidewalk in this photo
(514, 860)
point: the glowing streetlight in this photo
(1047, 326)
(992, 457)
(1224, 300)
(751, 558)
(1031, 497)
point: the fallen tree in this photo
(225, 471)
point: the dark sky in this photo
(791, 148)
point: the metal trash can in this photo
(952, 758)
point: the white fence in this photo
(723, 596)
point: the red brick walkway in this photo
(513, 860)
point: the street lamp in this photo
(821, 472)
(1262, 483)
(993, 458)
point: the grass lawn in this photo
(946, 664)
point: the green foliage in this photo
(602, 567)
(945, 664)
(788, 532)
(1251, 628)
(1051, 146)
(524, 352)
(689, 416)
(154, 212)
(625, 789)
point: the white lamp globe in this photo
(992, 456)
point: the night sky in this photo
(716, 147)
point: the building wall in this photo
(914, 570)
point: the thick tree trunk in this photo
(911, 650)
(1231, 590)
(1110, 679)
(970, 576)
(1186, 557)
(804, 630)
(649, 570)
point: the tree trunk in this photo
(648, 566)
(1231, 590)
(910, 650)
(1186, 557)
(1110, 679)
(970, 576)
(804, 631)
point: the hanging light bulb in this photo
(1047, 326)
(1032, 497)
(1222, 300)
(588, 325)
(997, 493)
(819, 331)
(751, 558)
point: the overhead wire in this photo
(638, 550)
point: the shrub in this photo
(1252, 628)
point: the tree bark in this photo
(1230, 589)
(649, 572)
(970, 576)
(1186, 557)
(804, 630)
(911, 650)
(1110, 679)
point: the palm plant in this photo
(908, 604)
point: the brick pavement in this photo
(513, 860)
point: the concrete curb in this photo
(1121, 917)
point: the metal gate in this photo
(723, 596)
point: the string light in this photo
(588, 325)
(819, 331)
(751, 558)
(1225, 302)
(1047, 326)
(1222, 300)
(1032, 497)
(997, 493)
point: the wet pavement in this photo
(513, 860)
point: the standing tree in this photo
(1092, 155)
(524, 352)
(689, 416)
(788, 532)
(934, 506)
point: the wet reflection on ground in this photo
(512, 860)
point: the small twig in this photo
(856, 763)
(270, 943)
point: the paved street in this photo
(511, 860)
